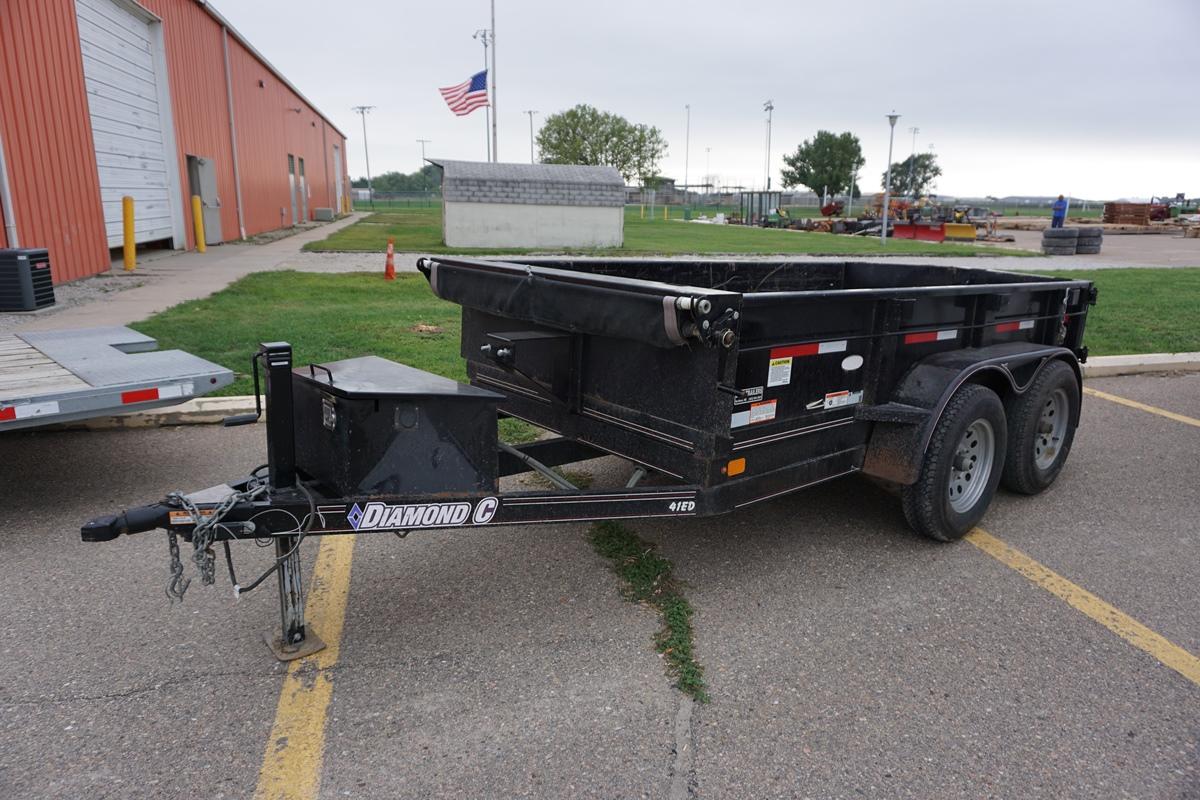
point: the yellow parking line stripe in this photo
(1081, 599)
(291, 766)
(1162, 412)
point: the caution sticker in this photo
(780, 372)
(184, 518)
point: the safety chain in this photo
(203, 536)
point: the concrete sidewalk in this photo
(169, 280)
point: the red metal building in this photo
(159, 100)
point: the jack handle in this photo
(248, 419)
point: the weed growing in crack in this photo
(648, 580)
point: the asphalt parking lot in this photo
(845, 657)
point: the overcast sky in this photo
(1096, 98)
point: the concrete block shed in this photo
(531, 205)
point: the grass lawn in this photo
(328, 317)
(1143, 311)
(420, 230)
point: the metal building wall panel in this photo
(196, 67)
(48, 137)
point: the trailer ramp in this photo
(47, 377)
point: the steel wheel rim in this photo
(972, 465)
(1051, 430)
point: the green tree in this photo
(828, 161)
(586, 135)
(924, 169)
(423, 180)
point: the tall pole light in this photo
(492, 83)
(912, 162)
(363, 111)
(887, 181)
(707, 172)
(768, 107)
(485, 36)
(530, 112)
(687, 144)
(423, 143)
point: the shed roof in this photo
(548, 173)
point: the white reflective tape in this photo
(178, 390)
(950, 334)
(740, 419)
(832, 347)
(35, 410)
(1026, 324)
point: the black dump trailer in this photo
(728, 382)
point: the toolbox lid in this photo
(372, 376)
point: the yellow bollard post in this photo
(643, 212)
(130, 242)
(198, 224)
(664, 213)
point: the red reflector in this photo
(1008, 327)
(810, 349)
(8, 413)
(919, 338)
(139, 395)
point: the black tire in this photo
(1085, 233)
(1060, 233)
(1026, 440)
(927, 505)
(1087, 250)
(1058, 251)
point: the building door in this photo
(129, 102)
(202, 182)
(292, 187)
(339, 192)
(303, 194)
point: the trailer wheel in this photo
(961, 468)
(1040, 431)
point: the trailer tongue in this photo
(732, 382)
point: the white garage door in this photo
(121, 71)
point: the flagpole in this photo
(492, 84)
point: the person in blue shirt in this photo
(1058, 212)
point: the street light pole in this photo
(423, 143)
(887, 182)
(363, 111)
(912, 162)
(485, 36)
(530, 112)
(687, 144)
(769, 107)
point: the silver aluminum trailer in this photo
(47, 377)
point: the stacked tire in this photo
(1060, 241)
(1089, 241)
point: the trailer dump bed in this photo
(48, 377)
(748, 377)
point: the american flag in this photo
(468, 95)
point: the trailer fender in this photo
(904, 425)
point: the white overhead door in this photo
(126, 87)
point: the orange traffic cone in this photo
(389, 271)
